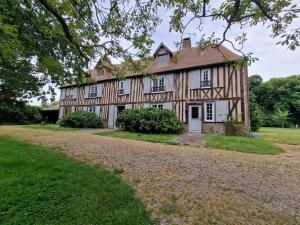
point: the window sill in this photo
(205, 87)
(94, 97)
(154, 92)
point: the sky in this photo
(274, 60)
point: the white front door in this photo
(195, 118)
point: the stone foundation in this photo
(213, 128)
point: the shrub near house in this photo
(149, 120)
(81, 119)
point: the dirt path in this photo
(189, 186)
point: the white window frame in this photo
(93, 91)
(157, 106)
(159, 84)
(205, 78)
(211, 111)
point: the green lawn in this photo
(289, 136)
(53, 127)
(242, 144)
(157, 138)
(43, 186)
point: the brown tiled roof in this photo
(185, 59)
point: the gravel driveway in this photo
(188, 185)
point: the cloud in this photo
(274, 60)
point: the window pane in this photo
(209, 111)
(162, 82)
(195, 112)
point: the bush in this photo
(81, 119)
(149, 121)
(235, 128)
(19, 113)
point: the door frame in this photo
(200, 107)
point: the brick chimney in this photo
(186, 43)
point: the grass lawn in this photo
(43, 186)
(53, 127)
(157, 138)
(289, 136)
(242, 144)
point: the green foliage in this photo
(281, 117)
(156, 138)
(43, 186)
(149, 120)
(242, 144)
(256, 114)
(277, 93)
(52, 42)
(19, 113)
(81, 119)
(235, 128)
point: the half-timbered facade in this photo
(204, 89)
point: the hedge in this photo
(81, 119)
(149, 120)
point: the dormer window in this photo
(162, 59)
(100, 71)
(163, 55)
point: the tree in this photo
(44, 41)
(256, 113)
(280, 93)
(257, 116)
(281, 117)
(255, 82)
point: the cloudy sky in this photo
(274, 60)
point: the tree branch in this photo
(65, 27)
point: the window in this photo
(93, 91)
(120, 108)
(78, 108)
(209, 112)
(69, 93)
(195, 112)
(205, 78)
(158, 106)
(121, 88)
(158, 84)
(100, 72)
(162, 59)
(92, 109)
